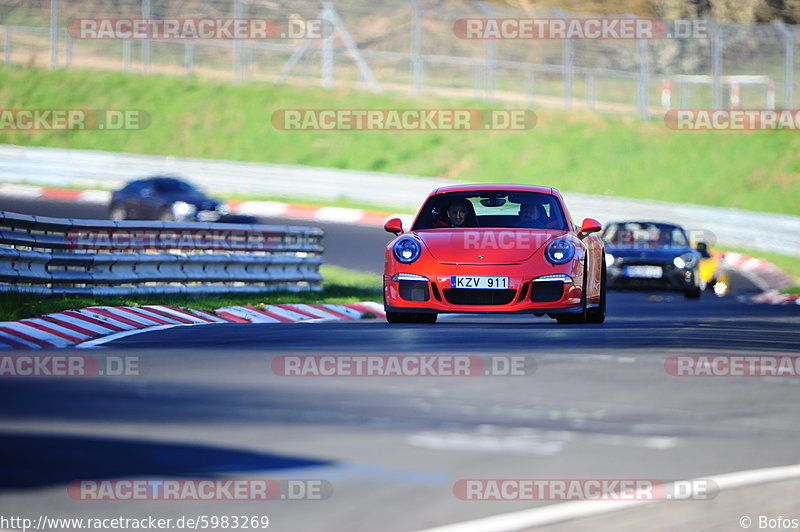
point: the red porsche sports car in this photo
(495, 248)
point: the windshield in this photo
(496, 208)
(645, 235)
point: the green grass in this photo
(576, 152)
(340, 286)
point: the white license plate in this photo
(644, 272)
(474, 281)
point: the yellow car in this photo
(713, 276)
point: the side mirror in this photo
(395, 225)
(590, 225)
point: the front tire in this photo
(598, 315)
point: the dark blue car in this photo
(168, 199)
(651, 255)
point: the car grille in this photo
(470, 296)
(414, 290)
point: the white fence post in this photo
(788, 66)
(146, 42)
(53, 34)
(238, 66)
(7, 48)
(644, 80)
(417, 64)
(716, 66)
(490, 56)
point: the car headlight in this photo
(560, 251)
(409, 277)
(181, 209)
(609, 259)
(687, 261)
(407, 250)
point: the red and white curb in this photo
(762, 273)
(773, 297)
(765, 275)
(273, 209)
(91, 326)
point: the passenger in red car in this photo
(533, 216)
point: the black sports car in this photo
(651, 255)
(168, 199)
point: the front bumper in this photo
(672, 278)
(524, 295)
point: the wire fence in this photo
(414, 46)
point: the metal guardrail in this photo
(41, 255)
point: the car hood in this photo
(485, 246)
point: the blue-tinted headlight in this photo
(560, 251)
(406, 250)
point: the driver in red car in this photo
(457, 214)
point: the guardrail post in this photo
(788, 65)
(53, 34)
(237, 45)
(716, 66)
(7, 48)
(684, 95)
(126, 55)
(417, 64)
(327, 47)
(189, 58)
(644, 78)
(568, 64)
(145, 42)
(69, 50)
(530, 85)
(490, 56)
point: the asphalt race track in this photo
(206, 403)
